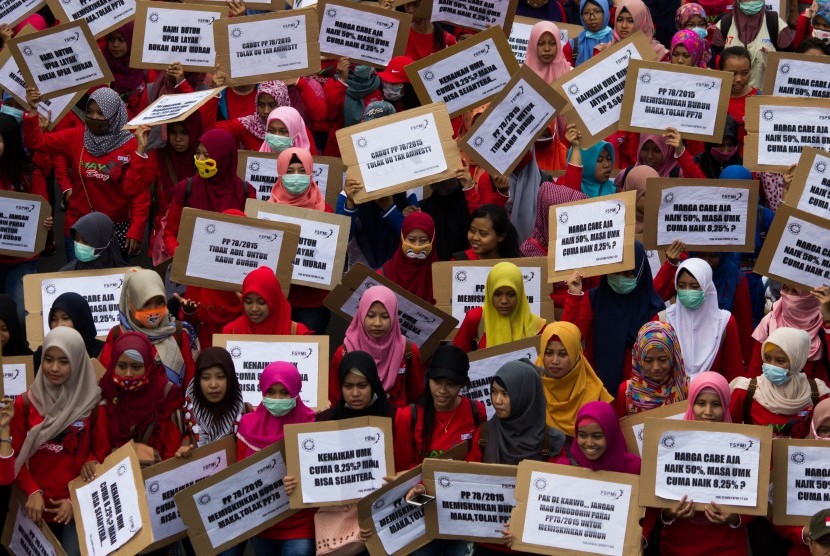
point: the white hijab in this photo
(700, 331)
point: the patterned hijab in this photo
(115, 111)
(252, 122)
(214, 420)
(642, 392)
(696, 46)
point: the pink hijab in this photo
(260, 429)
(312, 198)
(642, 20)
(560, 65)
(712, 381)
(295, 124)
(669, 161)
(387, 351)
(802, 311)
(616, 457)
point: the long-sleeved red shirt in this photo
(407, 388)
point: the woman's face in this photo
(556, 361)
(356, 391)
(276, 392)
(444, 393)
(500, 399)
(694, 21)
(651, 155)
(127, 368)
(546, 48)
(418, 238)
(59, 317)
(504, 300)
(777, 358)
(378, 322)
(96, 122)
(202, 152)
(823, 429)
(4, 334)
(687, 282)
(296, 168)
(740, 68)
(56, 366)
(592, 16)
(657, 365)
(624, 25)
(278, 128)
(708, 407)
(178, 138)
(602, 171)
(681, 56)
(214, 383)
(117, 44)
(255, 307)
(591, 440)
(483, 238)
(265, 104)
(156, 302)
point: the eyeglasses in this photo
(592, 14)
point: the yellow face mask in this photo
(206, 168)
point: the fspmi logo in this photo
(482, 51)
(614, 210)
(304, 353)
(798, 458)
(384, 24)
(668, 441)
(324, 233)
(529, 276)
(421, 126)
(25, 208)
(519, 92)
(236, 352)
(732, 196)
(308, 444)
(615, 494)
(742, 445)
(540, 484)
(74, 37)
(292, 25)
(461, 276)
(821, 167)
(212, 465)
(272, 463)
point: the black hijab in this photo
(78, 310)
(17, 344)
(364, 363)
(97, 230)
(451, 216)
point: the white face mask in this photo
(821, 35)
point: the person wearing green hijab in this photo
(597, 163)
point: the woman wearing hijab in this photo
(281, 405)
(12, 334)
(128, 82)
(505, 316)
(361, 391)
(568, 380)
(59, 431)
(265, 309)
(716, 157)
(143, 308)
(708, 335)
(110, 171)
(411, 266)
(375, 329)
(594, 16)
(142, 405)
(636, 180)
(550, 195)
(285, 128)
(213, 403)
(782, 395)
(214, 187)
(692, 16)
(351, 93)
(807, 311)
(622, 303)
(689, 49)
(597, 163)
(632, 16)
(545, 55)
(72, 310)
(820, 424)
(449, 207)
(753, 27)
(686, 532)
(657, 374)
(96, 247)
(249, 131)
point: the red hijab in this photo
(263, 282)
(175, 166)
(126, 79)
(224, 190)
(131, 412)
(414, 275)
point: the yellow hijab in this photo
(521, 323)
(567, 394)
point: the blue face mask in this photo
(85, 253)
(622, 284)
(691, 299)
(296, 184)
(776, 375)
(15, 113)
(277, 143)
(279, 407)
(702, 32)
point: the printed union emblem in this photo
(254, 166)
(308, 444)
(668, 441)
(540, 484)
(529, 276)
(768, 115)
(154, 487)
(444, 482)
(379, 504)
(669, 197)
(236, 352)
(361, 142)
(821, 167)
(785, 68)
(50, 288)
(573, 89)
(563, 218)
(331, 12)
(429, 76)
(478, 141)
(204, 499)
(794, 229)
(236, 33)
(461, 276)
(27, 51)
(122, 469)
(154, 17)
(798, 457)
(645, 78)
(210, 228)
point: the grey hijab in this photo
(97, 230)
(524, 189)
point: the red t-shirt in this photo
(407, 388)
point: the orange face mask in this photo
(149, 318)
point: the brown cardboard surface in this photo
(16, 507)
(780, 465)
(776, 59)
(27, 360)
(628, 422)
(26, 200)
(180, 117)
(61, 14)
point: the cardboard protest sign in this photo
(724, 463)
(366, 34)
(459, 285)
(236, 503)
(475, 14)
(579, 511)
(520, 34)
(800, 478)
(260, 170)
(24, 537)
(810, 189)
(13, 12)
(465, 75)
(473, 501)
(278, 45)
(251, 353)
(594, 90)
(102, 17)
(321, 251)
(110, 511)
(594, 236)
(796, 249)
(168, 32)
(219, 250)
(400, 152)
(421, 322)
(101, 288)
(778, 128)
(172, 108)
(707, 215)
(13, 82)
(515, 118)
(485, 362)
(633, 426)
(338, 462)
(163, 480)
(691, 100)
(252, 4)
(789, 74)
(60, 60)
(21, 223)
(18, 374)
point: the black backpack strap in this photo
(178, 334)
(460, 256)
(544, 453)
(476, 417)
(188, 187)
(725, 25)
(824, 360)
(750, 393)
(814, 395)
(482, 436)
(407, 354)
(571, 459)
(413, 419)
(772, 27)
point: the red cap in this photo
(394, 72)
